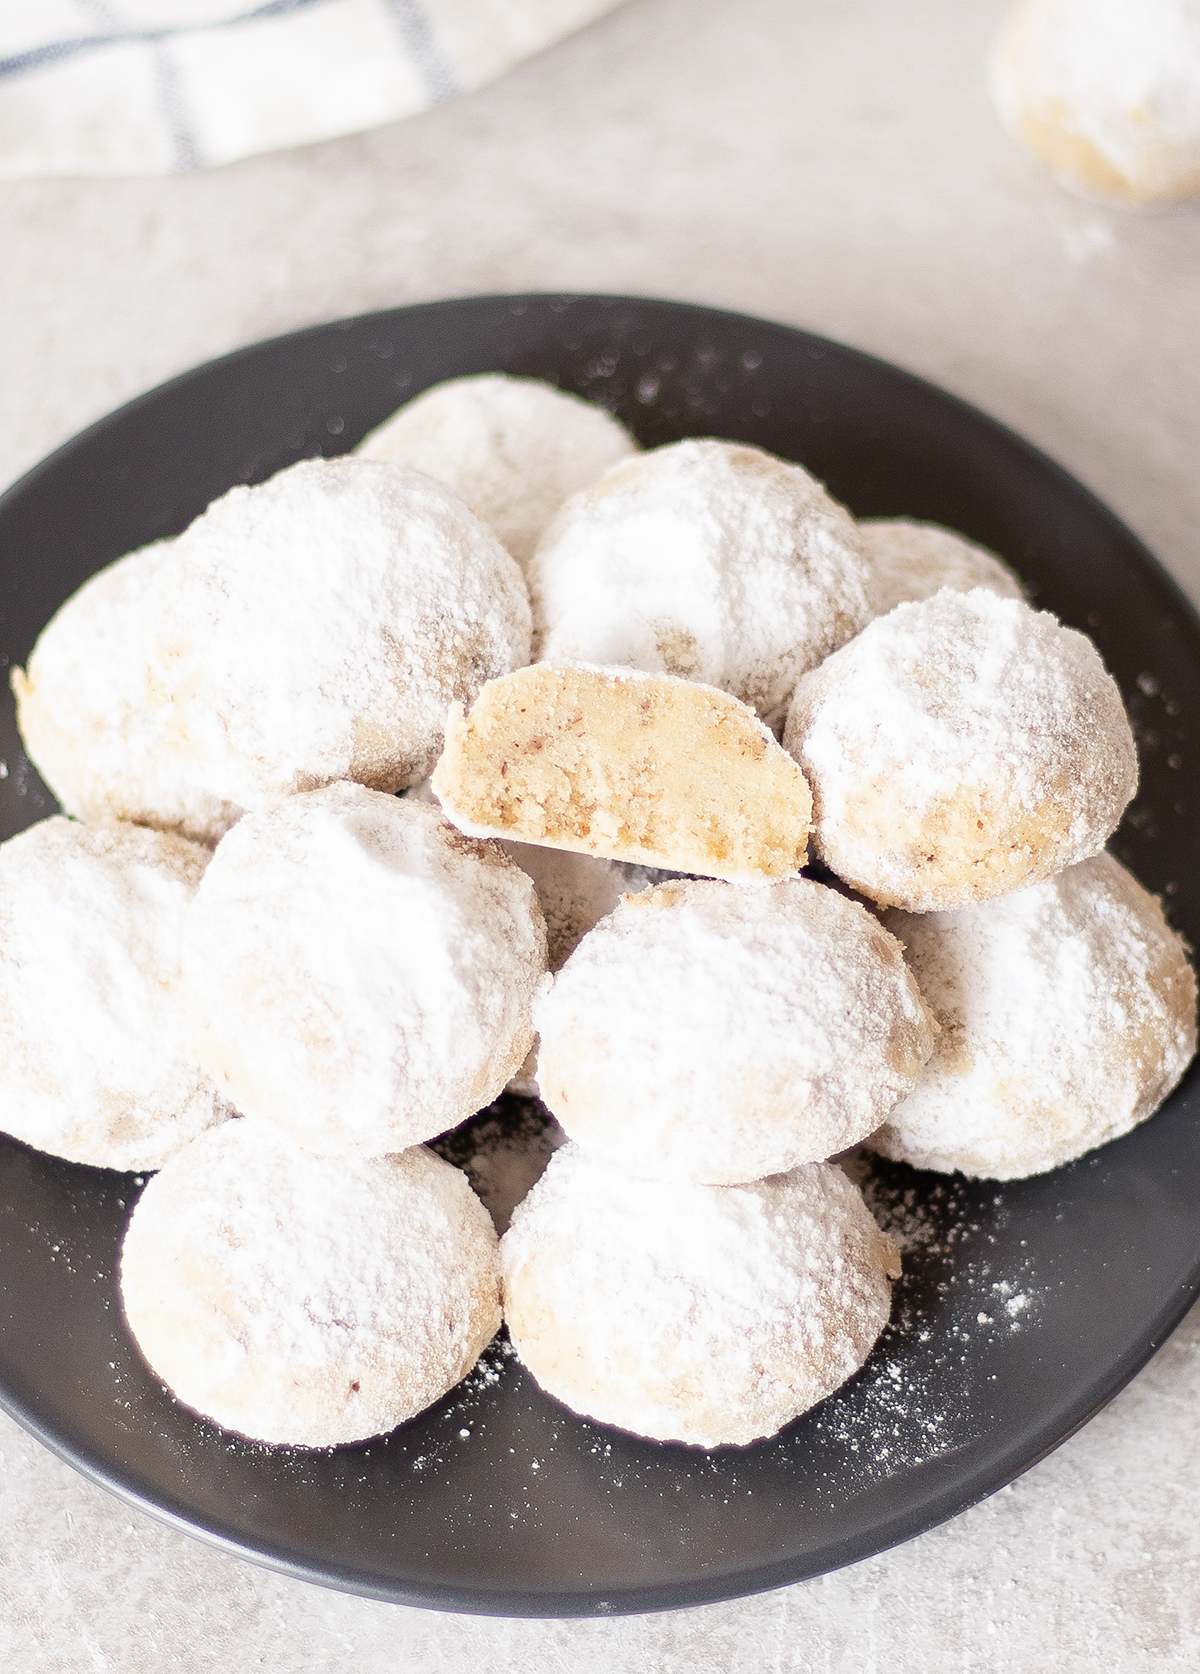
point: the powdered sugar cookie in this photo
(703, 1032)
(94, 1065)
(1106, 92)
(711, 1315)
(305, 1304)
(314, 628)
(709, 560)
(643, 768)
(357, 973)
(512, 448)
(961, 748)
(911, 561)
(85, 714)
(1068, 1012)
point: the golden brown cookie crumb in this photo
(638, 767)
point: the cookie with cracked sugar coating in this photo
(911, 561)
(512, 448)
(711, 1315)
(314, 628)
(1067, 1013)
(305, 1304)
(95, 1064)
(960, 748)
(358, 973)
(644, 768)
(710, 560)
(86, 717)
(709, 1033)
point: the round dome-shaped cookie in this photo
(305, 1304)
(709, 560)
(1068, 1012)
(358, 973)
(94, 1063)
(1106, 92)
(960, 748)
(316, 627)
(718, 1034)
(711, 1315)
(86, 715)
(911, 561)
(512, 448)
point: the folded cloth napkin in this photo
(151, 86)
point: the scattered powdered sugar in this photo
(1067, 1011)
(85, 714)
(706, 1032)
(360, 974)
(926, 1390)
(512, 448)
(960, 748)
(710, 1315)
(910, 561)
(946, 1229)
(300, 1304)
(94, 1063)
(315, 628)
(710, 560)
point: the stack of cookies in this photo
(652, 690)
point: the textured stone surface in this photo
(836, 166)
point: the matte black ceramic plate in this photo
(1025, 1307)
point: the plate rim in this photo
(935, 1508)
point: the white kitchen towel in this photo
(152, 86)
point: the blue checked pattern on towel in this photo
(151, 86)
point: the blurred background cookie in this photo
(910, 561)
(1106, 93)
(512, 448)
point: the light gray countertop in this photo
(834, 164)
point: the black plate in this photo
(1025, 1306)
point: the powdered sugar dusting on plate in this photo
(953, 1301)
